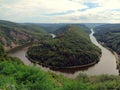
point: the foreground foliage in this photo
(15, 76)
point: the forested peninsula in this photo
(71, 47)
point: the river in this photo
(106, 65)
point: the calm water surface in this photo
(106, 65)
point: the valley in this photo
(59, 45)
(97, 69)
(79, 39)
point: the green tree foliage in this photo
(2, 51)
(23, 77)
(14, 76)
(72, 47)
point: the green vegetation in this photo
(53, 27)
(14, 34)
(72, 44)
(14, 75)
(110, 35)
(61, 29)
(72, 47)
(36, 30)
(50, 28)
(22, 77)
(2, 51)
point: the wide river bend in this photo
(106, 65)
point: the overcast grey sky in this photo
(60, 11)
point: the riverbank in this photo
(106, 65)
(70, 67)
(117, 61)
(21, 46)
(114, 53)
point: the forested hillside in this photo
(109, 34)
(64, 28)
(54, 27)
(71, 47)
(14, 34)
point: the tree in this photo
(2, 50)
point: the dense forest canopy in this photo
(64, 28)
(110, 35)
(71, 47)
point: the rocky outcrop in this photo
(11, 38)
(14, 34)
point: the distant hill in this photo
(71, 47)
(53, 27)
(50, 28)
(15, 34)
(109, 34)
(92, 25)
(63, 29)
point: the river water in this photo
(106, 65)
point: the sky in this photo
(60, 11)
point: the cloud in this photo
(61, 13)
(60, 10)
